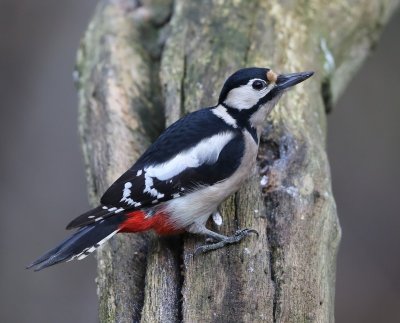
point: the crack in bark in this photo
(264, 163)
(268, 153)
(276, 154)
(181, 265)
(153, 41)
(251, 31)
(326, 92)
(236, 215)
(181, 243)
(182, 85)
(272, 259)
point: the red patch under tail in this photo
(138, 221)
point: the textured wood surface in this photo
(140, 67)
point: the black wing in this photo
(138, 188)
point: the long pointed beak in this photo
(285, 81)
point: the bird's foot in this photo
(237, 237)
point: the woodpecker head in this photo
(252, 89)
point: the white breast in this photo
(197, 206)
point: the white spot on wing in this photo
(126, 193)
(139, 172)
(148, 185)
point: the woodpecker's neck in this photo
(257, 119)
(238, 119)
(242, 117)
(251, 119)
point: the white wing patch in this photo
(206, 151)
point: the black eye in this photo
(258, 85)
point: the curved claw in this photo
(237, 237)
(247, 231)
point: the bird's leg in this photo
(222, 240)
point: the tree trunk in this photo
(142, 65)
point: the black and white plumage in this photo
(189, 170)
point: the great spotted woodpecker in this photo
(187, 172)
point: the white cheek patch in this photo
(245, 97)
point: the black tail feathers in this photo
(97, 214)
(80, 244)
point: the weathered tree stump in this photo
(142, 65)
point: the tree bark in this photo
(142, 65)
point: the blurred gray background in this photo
(42, 182)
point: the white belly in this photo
(197, 206)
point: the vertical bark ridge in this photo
(120, 113)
